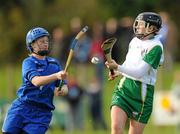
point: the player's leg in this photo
(142, 108)
(35, 128)
(39, 121)
(136, 127)
(11, 126)
(118, 120)
(22, 132)
(13, 122)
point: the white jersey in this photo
(151, 51)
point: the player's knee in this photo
(116, 129)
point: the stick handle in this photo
(78, 36)
(108, 57)
(69, 60)
(112, 71)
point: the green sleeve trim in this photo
(153, 57)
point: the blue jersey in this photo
(43, 95)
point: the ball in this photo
(95, 60)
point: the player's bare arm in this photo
(43, 80)
(134, 71)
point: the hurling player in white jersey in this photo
(133, 95)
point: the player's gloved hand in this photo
(112, 77)
(64, 91)
(61, 75)
(111, 65)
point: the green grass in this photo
(150, 129)
(11, 77)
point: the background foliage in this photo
(18, 16)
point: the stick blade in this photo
(107, 46)
(108, 43)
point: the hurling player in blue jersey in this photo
(31, 112)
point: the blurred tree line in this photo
(18, 16)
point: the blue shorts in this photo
(28, 118)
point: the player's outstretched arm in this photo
(43, 80)
(136, 72)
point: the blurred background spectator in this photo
(58, 44)
(168, 34)
(111, 30)
(125, 35)
(95, 87)
(74, 98)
